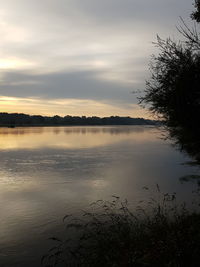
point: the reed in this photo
(158, 233)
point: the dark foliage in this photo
(111, 235)
(173, 91)
(15, 119)
(196, 14)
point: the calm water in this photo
(46, 172)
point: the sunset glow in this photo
(80, 57)
(65, 107)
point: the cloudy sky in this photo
(80, 57)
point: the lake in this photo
(47, 172)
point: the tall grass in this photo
(159, 233)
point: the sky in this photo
(81, 57)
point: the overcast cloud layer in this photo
(80, 57)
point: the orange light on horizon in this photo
(73, 107)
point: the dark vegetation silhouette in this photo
(196, 14)
(160, 233)
(173, 92)
(16, 119)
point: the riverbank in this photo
(110, 234)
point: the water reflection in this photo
(69, 137)
(72, 129)
(47, 172)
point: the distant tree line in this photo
(19, 119)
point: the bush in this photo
(173, 92)
(162, 234)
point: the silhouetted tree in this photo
(173, 90)
(16, 119)
(196, 14)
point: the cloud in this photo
(89, 49)
(70, 106)
(88, 84)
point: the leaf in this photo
(66, 216)
(43, 258)
(145, 188)
(55, 239)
